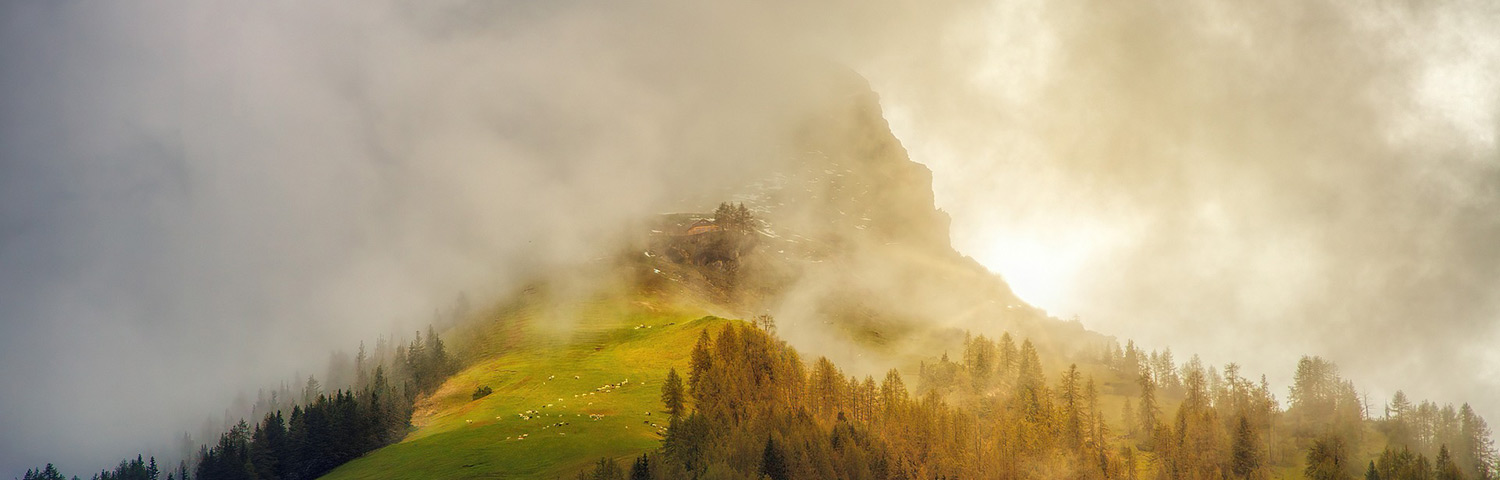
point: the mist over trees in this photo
(178, 103)
(750, 407)
(304, 433)
(756, 410)
(327, 430)
(1010, 407)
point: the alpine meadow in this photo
(750, 239)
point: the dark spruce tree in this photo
(671, 394)
(1246, 450)
(641, 470)
(773, 461)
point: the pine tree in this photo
(1444, 466)
(1421, 469)
(641, 470)
(979, 359)
(1165, 370)
(773, 461)
(361, 372)
(1148, 409)
(892, 393)
(1127, 456)
(1097, 431)
(869, 398)
(1030, 367)
(1246, 453)
(441, 366)
(1033, 400)
(1092, 412)
(827, 388)
(1399, 406)
(1315, 397)
(311, 390)
(1008, 356)
(1475, 450)
(671, 393)
(1132, 360)
(702, 359)
(45, 473)
(1327, 460)
(264, 444)
(605, 469)
(1071, 398)
(416, 360)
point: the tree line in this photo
(303, 435)
(750, 408)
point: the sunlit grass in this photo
(457, 437)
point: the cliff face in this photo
(847, 179)
(891, 193)
(855, 249)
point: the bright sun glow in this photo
(1043, 267)
(1039, 273)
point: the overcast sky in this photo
(197, 199)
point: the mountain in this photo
(850, 256)
(825, 328)
(848, 248)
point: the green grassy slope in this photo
(537, 423)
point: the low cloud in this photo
(1249, 181)
(199, 198)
